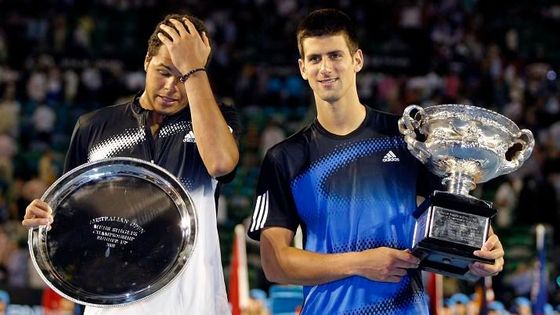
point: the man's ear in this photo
(358, 60)
(147, 62)
(302, 69)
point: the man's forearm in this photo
(296, 266)
(215, 141)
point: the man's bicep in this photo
(276, 237)
(274, 241)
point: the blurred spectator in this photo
(271, 135)
(458, 304)
(59, 59)
(257, 303)
(30, 190)
(521, 306)
(8, 150)
(33, 189)
(4, 301)
(6, 249)
(82, 33)
(9, 111)
(13, 255)
(48, 172)
(37, 86)
(521, 280)
(496, 308)
(19, 257)
(505, 201)
(71, 83)
(59, 33)
(43, 119)
(54, 86)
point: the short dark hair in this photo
(327, 22)
(154, 42)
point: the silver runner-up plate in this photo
(123, 229)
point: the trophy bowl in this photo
(123, 229)
(464, 145)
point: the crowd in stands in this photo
(62, 58)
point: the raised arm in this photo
(215, 141)
(283, 263)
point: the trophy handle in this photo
(526, 140)
(408, 126)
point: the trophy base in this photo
(449, 228)
(447, 259)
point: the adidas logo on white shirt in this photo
(390, 157)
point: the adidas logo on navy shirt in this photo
(189, 137)
(390, 157)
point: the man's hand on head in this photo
(188, 49)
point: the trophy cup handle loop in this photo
(526, 140)
(409, 124)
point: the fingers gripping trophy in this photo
(464, 145)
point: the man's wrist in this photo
(183, 78)
(350, 266)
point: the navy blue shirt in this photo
(123, 131)
(348, 193)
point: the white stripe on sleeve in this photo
(256, 213)
(265, 216)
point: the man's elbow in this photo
(223, 166)
(274, 274)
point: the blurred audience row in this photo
(59, 59)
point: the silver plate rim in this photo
(35, 233)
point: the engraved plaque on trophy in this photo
(123, 229)
(464, 145)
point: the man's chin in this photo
(330, 98)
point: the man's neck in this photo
(155, 120)
(341, 118)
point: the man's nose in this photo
(326, 65)
(171, 82)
